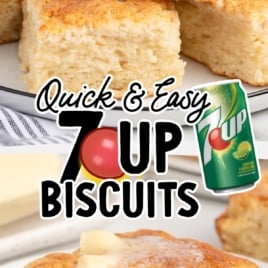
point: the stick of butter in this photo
(97, 248)
(20, 177)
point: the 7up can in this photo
(225, 139)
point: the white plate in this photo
(33, 234)
(188, 164)
(13, 95)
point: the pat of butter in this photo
(98, 249)
(99, 242)
(20, 176)
(97, 261)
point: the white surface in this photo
(201, 228)
(186, 164)
(33, 234)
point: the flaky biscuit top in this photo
(58, 14)
(249, 9)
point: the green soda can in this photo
(225, 139)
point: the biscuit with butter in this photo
(83, 41)
(143, 248)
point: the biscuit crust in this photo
(243, 227)
(168, 252)
(230, 37)
(64, 13)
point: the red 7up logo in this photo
(219, 136)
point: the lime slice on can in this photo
(242, 154)
(244, 146)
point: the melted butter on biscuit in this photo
(101, 249)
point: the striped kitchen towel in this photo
(22, 129)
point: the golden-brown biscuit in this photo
(229, 36)
(55, 260)
(150, 249)
(82, 41)
(243, 227)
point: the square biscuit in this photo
(230, 37)
(82, 41)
